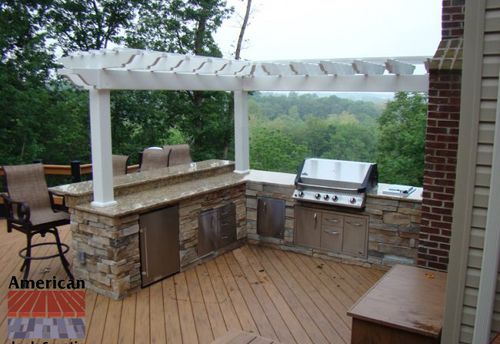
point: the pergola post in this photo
(100, 129)
(241, 137)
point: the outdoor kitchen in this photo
(168, 219)
(133, 230)
(336, 209)
(235, 199)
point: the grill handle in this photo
(325, 187)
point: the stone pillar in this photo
(107, 252)
(441, 141)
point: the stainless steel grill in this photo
(335, 182)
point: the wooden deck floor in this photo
(280, 295)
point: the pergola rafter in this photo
(101, 71)
(124, 69)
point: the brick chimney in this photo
(441, 141)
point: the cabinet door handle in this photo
(225, 237)
(145, 236)
(265, 206)
(331, 232)
(357, 224)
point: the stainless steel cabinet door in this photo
(307, 227)
(355, 236)
(159, 244)
(271, 217)
(207, 232)
(331, 231)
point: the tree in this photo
(401, 139)
(271, 150)
(244, 24)
(183, 26)
(90, 24)
(25, 63)
(352, 141)
(187, 26)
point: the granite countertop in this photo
(154, 198)
(288, 179)
(379, 193)
(135, 179)
(268, 177)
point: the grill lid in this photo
(336, 173)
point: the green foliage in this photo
(178, 26)
(276, 105)
(401, 139)
(271, 150)
(395, 139)
(89, 24)
(47, 118)
(280, 142)
(352, 141)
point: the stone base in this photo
(393, 226)
(107, 255)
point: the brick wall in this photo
(439, 174)
(452, 19)
(441, 142)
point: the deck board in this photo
(279, 295)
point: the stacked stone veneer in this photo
(392, 234)
(441, 141)
(107, 252)
(107, 248)
(284, 192)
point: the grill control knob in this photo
(352, 200)
(317, 196)
(301, 193)
(326, 197)
(335, 198)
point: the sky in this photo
(323, 29)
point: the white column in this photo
(241, 137)
(100, 134)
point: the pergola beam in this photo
(340, 83)
(146, 80)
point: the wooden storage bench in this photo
(405, 306)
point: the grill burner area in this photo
(335, 182)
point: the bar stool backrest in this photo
(119, 164)
(179, 154)
(153, 158)
(26, 183)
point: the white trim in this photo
(241, 135)
(100, 134)
(152, 70)
(339, 83)
(102, 204)
(491, 250)
(242, 172)
(466, 169)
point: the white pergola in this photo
(101, 71)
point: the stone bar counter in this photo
(393, 222)
(106, 240)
